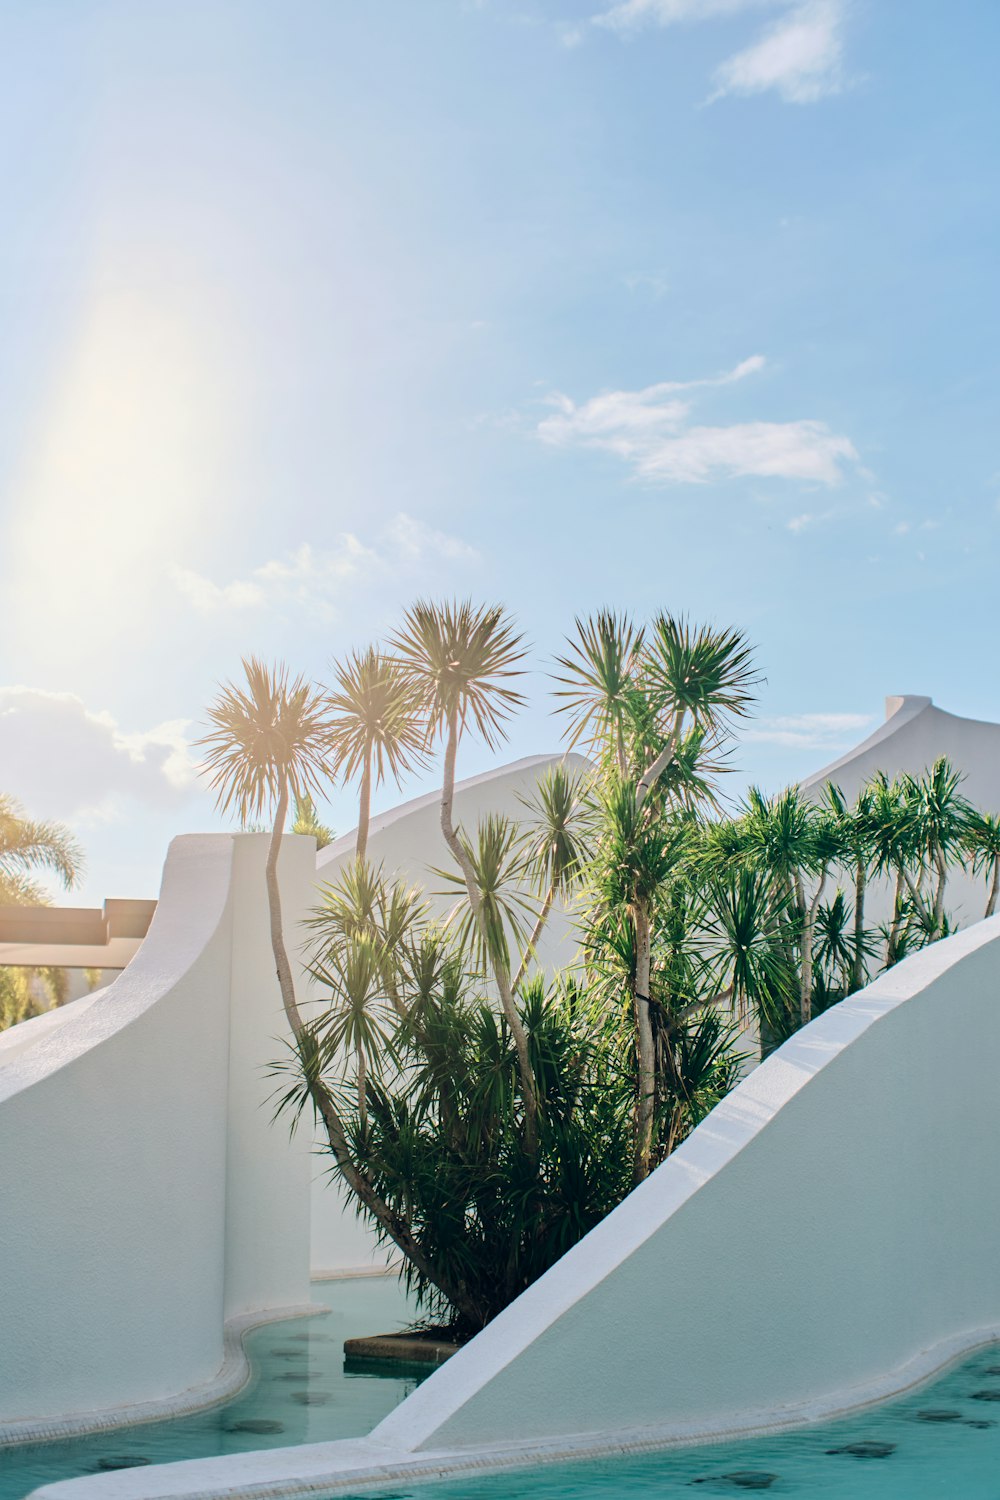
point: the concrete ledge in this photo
(232, 1377)
(412, 1348)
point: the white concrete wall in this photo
(145, 1196)
(407, 842)
(826, 1236)
(833, 1219)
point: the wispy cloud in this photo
(651, 431)
(809, 731)
(312, 580)
(65, 760)
(800, 55)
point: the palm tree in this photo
(27, 845)
(307, 821)
(459, 659)
(270, 741)
(983, 838)
(377, 726)
(598, 683)
(557, 850)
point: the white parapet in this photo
(146, 1197)
(825, 1237)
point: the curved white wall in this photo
(145, 1195)
(407, 842)
(827, 1235)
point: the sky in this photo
(311, 309)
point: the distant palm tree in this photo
(983, 837)
(460, 658)
(557, 845)
(27, 845)
(377, 725)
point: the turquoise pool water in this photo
(940, 1441)
(299, 1393)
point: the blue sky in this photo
(312, 308)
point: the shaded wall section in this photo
(145, 1197)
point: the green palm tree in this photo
(557, 850)
(377, 725)
(306, 821)
(983, 842)
(597, 686)
(270, 741)
(27, 845)
(460, 660)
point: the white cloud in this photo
(650, 430)
(313, 581)
(800, 57)
(821, 731)
(628, 14)
(64, 760)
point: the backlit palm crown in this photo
(269, 736)
(27, 845)
(376, 716)
(459, 657)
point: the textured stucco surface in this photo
(139, 1168)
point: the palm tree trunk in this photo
(653, 772)
(991, 904)
(808, 934)
(543, 917)
(364, 811)
(646, 1095)
(858, 957)
(897, 917)
(395, 1227)
(942, 874)
(501, 974)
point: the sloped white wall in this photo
(826, 1236)
(144, 1196)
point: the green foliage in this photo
(306, 820)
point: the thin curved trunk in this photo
(942, 874)
(652, 774)
(646, 1096)
(991, 904)
(858, 957)
(362, 1085)
(808, 936)
(397, 1229)
(365, 809)
(543, 917)
(897, 917)
(501, 973)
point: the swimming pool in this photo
(299, 1392)
(942, 1440)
